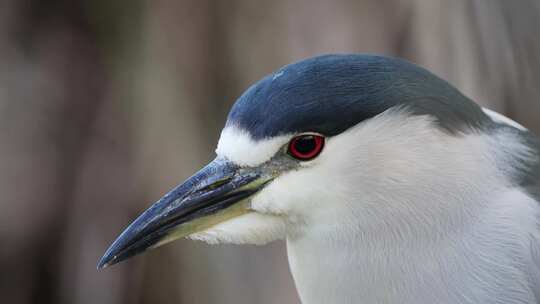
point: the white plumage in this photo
(388, 236)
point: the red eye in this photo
(306, 147)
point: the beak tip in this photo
(101, 266)
(109, 258)
(104, 262)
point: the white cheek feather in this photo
(499, 118)
(423, 216)
(237, 146)
(250, 228)
(394, 210)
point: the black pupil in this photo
(305, 145)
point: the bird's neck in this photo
(477, 258)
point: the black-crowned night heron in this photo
(387, 183)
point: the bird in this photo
(386, 182)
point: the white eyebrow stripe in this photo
(496, 117)
(238, 146)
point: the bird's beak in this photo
(218, 192)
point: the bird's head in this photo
(318, 140)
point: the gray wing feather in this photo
(530, 181)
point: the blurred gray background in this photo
(106, 105)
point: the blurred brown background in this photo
(106, 105)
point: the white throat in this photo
(394, 210)
(482, 261)
(441, 226)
